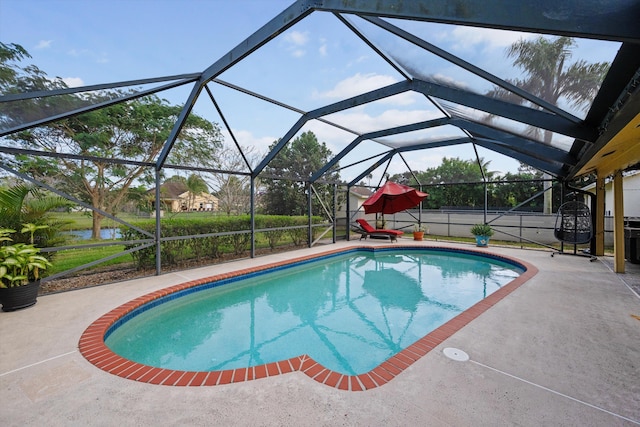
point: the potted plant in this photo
(418, 231)
(482, 232)
(21, 267)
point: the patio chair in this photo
(574, 226)
(365, 229)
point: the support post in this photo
(599, 223)
(348, 227)
(309, 211)
(547, 204)
(157, 236)
(486, 201)
(618, 223)
(252, 207)
(335, 211)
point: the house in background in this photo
(357, 196)
(630, 192)
(176, 197)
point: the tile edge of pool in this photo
(93, 348)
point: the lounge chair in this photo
(365, 229)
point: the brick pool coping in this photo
(94, 349)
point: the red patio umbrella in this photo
(393, 197)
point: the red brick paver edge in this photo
(93, 348)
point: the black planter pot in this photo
(19, 297)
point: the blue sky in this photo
(316, 62)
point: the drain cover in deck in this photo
(455, 354)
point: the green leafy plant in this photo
(419, 228)
(27, 205)
(482, 230)
(20, 263)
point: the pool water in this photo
(348, 312)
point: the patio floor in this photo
(562, 349)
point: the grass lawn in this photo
(84, 221)
(71, 258)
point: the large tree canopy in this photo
(451, 170)
(16, 78)
(458, 184)
(134, 131)
(297, 160)
(548, 74)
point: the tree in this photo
(299, 160)
(234, 190)
(23, 204)
(233, 195)
(455, 170)
(515, 188)
(196, 186)
(136, 130)
(17, 79)
(451, 171)
(9, 73)
(548, 75)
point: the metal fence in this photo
(522, 227)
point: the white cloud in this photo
(323, 50)
(247, 139)
(295, 41)
(44, 44)
(76, 52)
(73, 81)
(469, 38)
(100, 58)
(357, 61)
(356, 85)
(360, 121)
(297, 38)
(363, 122)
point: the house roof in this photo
(171, 190)
(361, 192)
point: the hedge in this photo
(176, 252)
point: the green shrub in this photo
(273, 221)
(237, 242)
(482, 230)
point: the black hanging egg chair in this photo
(573, 223)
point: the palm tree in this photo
(22, 203)
(549, 76)
(196, 186)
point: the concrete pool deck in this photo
(562, 349)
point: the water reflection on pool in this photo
(348, 312)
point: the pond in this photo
(105, 233)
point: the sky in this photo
(317, 62)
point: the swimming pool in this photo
(343, 315)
